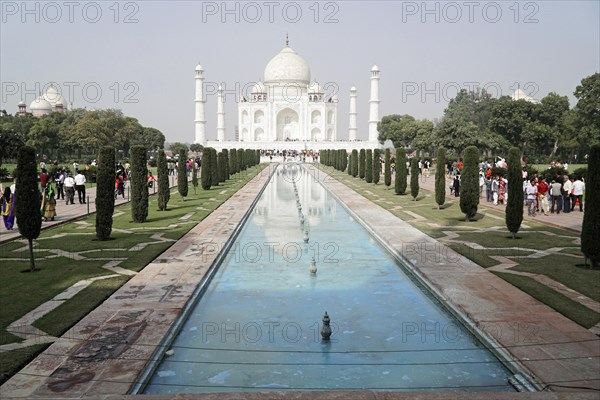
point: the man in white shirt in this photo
(80, 187)
(578, 189)
(566, 192)
(531, 193)
(70, 189)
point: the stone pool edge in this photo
(105, 353)
(524, 327)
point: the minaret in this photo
(200, 121)
(374, 104)
(220, 115)
(352, 116)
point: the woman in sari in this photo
(501, 191)
(7, 208)
(49, 203)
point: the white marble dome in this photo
(53, 97)
(287, 66)
(40, 104)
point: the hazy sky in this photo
(140, 56)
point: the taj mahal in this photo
(285, 111)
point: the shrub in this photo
(440, 178)
(369, 166)
(139, 184)
(27, 205)
(182, 177)
(354, 163)
(514, 203)
(387, 170)
(105, 192)
(214, 171)
(414, 178)
(469, 183)
(164, 192)
(226, 163)
(400, 182)
(361, 163)
(232, 161)
(206, 177)
(376, 166)
(221, 167)
(590, 230)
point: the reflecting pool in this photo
(257, 327)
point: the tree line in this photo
(545, 130)
(61, 136)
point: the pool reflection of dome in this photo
(276, 211)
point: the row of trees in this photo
(216, 168)
(69, 135)
(544, 130)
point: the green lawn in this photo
(490, 231)
(22, 292)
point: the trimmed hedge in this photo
(105, 192)
(139, 184)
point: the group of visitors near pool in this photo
(562, 193)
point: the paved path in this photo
(70, 212)
(571, 221)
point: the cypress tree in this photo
(226, 164)
(257, 157)
(214, 171)
(376, 166)
(182, 178)
(27, 205)
(369, 166)
(362, 163)
(440, 177)
(590, 230)
(105, 192)
(240, 160)
(400, 178)
(139, 184)
(414, 178)
(194, 178)
(514, 203)
(387, 169)
(233, 162)
(469, 183)
(164, 193)
(205, 176)
(221, 167)
(354, 158)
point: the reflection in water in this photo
(257, 327)
(273, 210)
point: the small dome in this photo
(287, 66)
(199, 68)
(40, 104)
(315, 88)
(258, 88)
(353, 89)
(21, 103)
(375, 68)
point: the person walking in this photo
(80, 187)
(60, 184)
(531, 191)
(543, 196)
(44, 178)
(70, 189)
(578, 189)
(7, 208)
(566, 192)
(495, 189)
(555, 192)
(49, 204)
